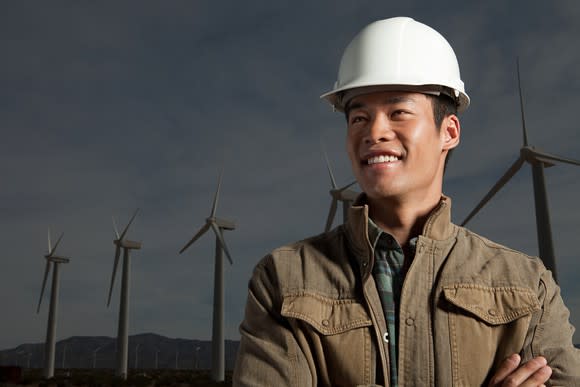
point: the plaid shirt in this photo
(389, 274)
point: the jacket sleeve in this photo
(268, 354)
(552, 336)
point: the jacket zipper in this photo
(379, 336)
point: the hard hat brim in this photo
(336, 97)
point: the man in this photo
(399, 295)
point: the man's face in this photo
(394, 147)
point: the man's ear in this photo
(450, 132)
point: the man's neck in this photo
(402, 219)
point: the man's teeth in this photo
(381, 159)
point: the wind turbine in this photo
(217, 225)
(344, 195)
(50, 344)
(538, 160)
(123, 328)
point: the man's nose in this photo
(379, 130)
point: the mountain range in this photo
(146, 351)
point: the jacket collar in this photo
(437, 227)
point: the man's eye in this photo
(399, 113)
(356, 119)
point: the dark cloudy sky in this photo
(110, 106)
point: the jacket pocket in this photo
(328, 316)
(486, 324)
(335, 334)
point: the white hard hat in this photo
(398, 54)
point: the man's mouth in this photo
(382, 159)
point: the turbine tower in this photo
(344, 195)
(123, 328)
(538, 160)
(217, 225)
(50, 343)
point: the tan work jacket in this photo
(314, 318)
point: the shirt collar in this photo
(376, 233)
(437, 227)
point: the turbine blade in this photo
(128, 224)
(56, 244)
(49, 243)
(522, 103)
(220, 238)
(195, 237)
(46, 272)
(115, 264)
(347, 186)
(501, 182)
(332, 180)
(331, 214)
(550, 157)
(216, 196)
(115, 227)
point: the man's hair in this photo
(443, 106)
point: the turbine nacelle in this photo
(221, 223)
(528, 153)
(57, 259)
(127, 244)
(532, 156)
(344, 194)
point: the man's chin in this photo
(382, 193)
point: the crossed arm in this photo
(511, 372)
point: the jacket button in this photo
(365, 263)
(410, 321)
(386, 337)
(492, 312)
(325, 323)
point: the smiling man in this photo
(399, 295)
